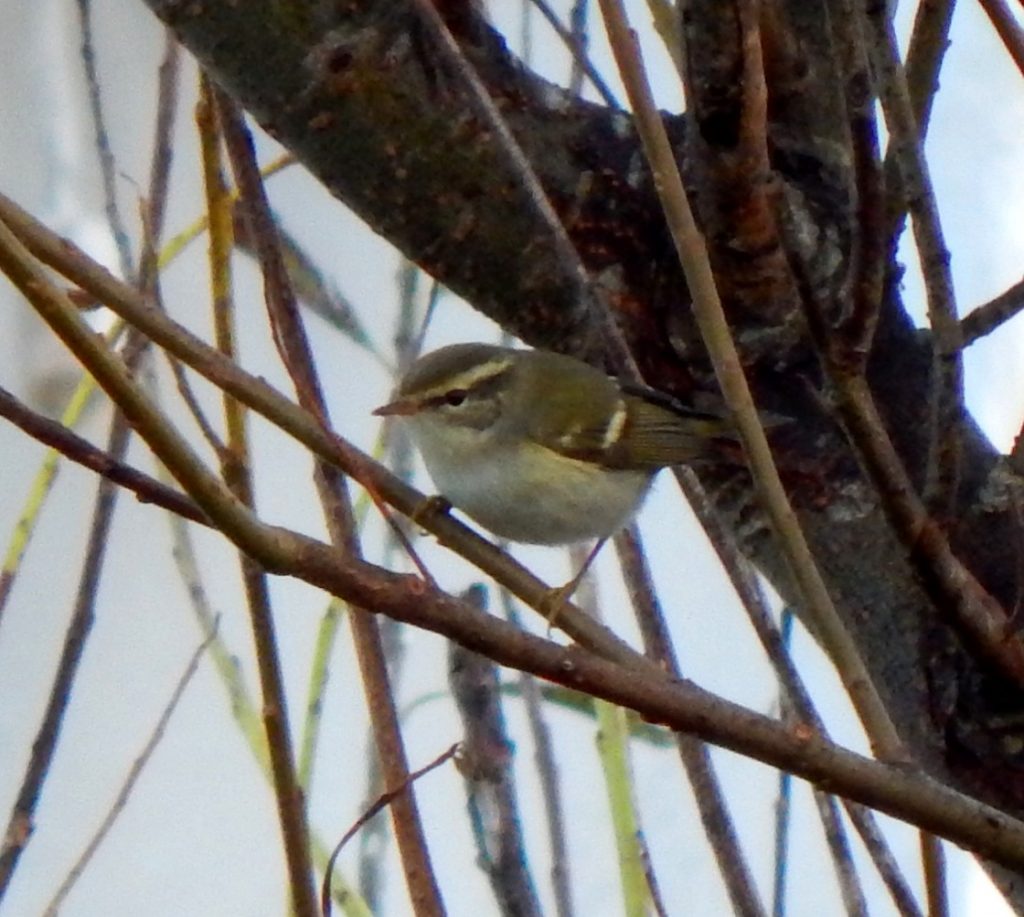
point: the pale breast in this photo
(526, 494)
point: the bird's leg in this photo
(552, 602)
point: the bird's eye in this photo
(455, 397)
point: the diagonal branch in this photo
(80, 450)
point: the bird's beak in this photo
(401, 407)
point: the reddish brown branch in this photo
(1009, 29)
(987, 317)
(84, 453)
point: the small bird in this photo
(542, 448)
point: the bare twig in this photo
(25, 528)
(947, 396)
(878, 849)
(487, 771)
(783, 799)
(385, 799)
(579, 53)
(408, 342)
(288, 791)
(933, 858)
(132, 778)
(990, 315)
(857, 328)
(191, 403)
(290, 800)
(707, 791)
(547, 774)
(20, 823)
(926, 52)
(580, 39)
(842, 857)
(108, 164)
(84, 453)
(163, 148)
(614, 755)
(1008, 27)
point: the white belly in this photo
(513, 493)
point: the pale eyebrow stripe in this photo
(472, 377)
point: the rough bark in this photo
(356, 91)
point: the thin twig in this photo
(926, 51)
(657, 900)
(933, 859)
(385, 799)
(192, 405)
(613, 750)
(488, 773)
(985, 318)
(580, 40)
(866, 825)
(784, 797)
(81, 451)
(842, 857)
(163, 147)
(21, 821)
(42, 485)
(946, 403)
(131, 779)
(780, 874)
(857, 328)
(108, 164)
(290, 797)
(1008, 28)
(397, 446)
(579, 53)
(547, 774)
(707, 791)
